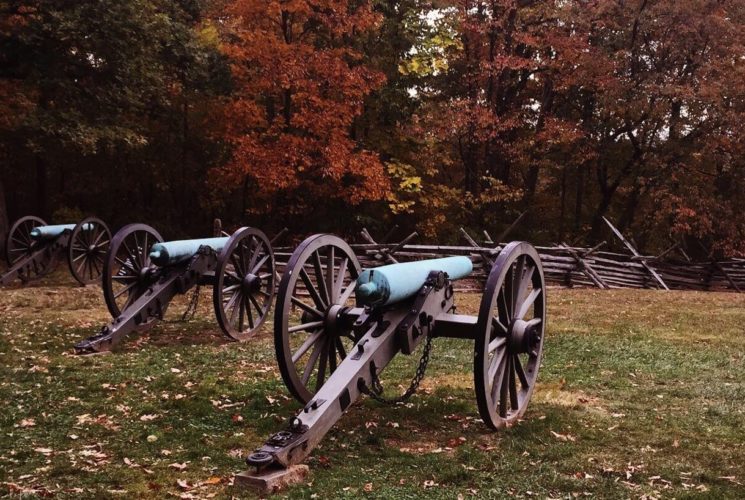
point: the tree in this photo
(89, 84)
(298, 85)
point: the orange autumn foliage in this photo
(299, 85)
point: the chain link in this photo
(377, 388)
(191, 308)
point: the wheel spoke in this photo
(259, 307)
(503, 391)
(496, 344)
(322, 364)
(133, 260)
(511, 383)
(127, 265)
(320, 280)
(521, 373)
(513, 285)
(305, 307)
(503, 309)
(494, 365)
(243, 248)
(496, 324)
(311, 362)
(241, 313)
(126, 289)
(330, 281)
(237, 266)
(257, 266)
(305, 326)
(528, 303)
(340, 278)
(340, 348)
(249, 312)
(332, 356)
(311, 340)
(320, 304)
(95, 265)
(230, 306)
(347, 293)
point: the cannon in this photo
(142, 274)
(34, 248)
(337, 327)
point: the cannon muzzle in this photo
(396, 282)
(173, 252)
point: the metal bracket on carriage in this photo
(142, 275)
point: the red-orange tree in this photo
(299, 85)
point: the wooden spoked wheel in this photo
(19, 242)
(244, 283)
(309, 337)
(510, 333)
(86, 252)
(127, 270)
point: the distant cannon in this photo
(337, 327)
(34, 248)
(142, 274)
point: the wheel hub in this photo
(332, 318)
(524, 337)
(146, 273)
(251, 283)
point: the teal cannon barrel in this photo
(173, 252)
(396, 282)
(49, 232)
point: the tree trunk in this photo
(579, 199)
(563, 203)
(597, 219)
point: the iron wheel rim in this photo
(125, 262)
(245, 271)
(87, 249)
(19, 242)
(514, 296)
(323, 349)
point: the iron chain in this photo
(191, 308)
(377, 389)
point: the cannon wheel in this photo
(126, 270)
(510, 332)
(244, 284)
(20, 243)
(87, 250)
(317, 284)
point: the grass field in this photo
(641, 394)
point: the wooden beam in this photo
(636, 254)
(586, 268)
(480, 250)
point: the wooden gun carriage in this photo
(337, 327)
(142, 274)
(34, 248)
